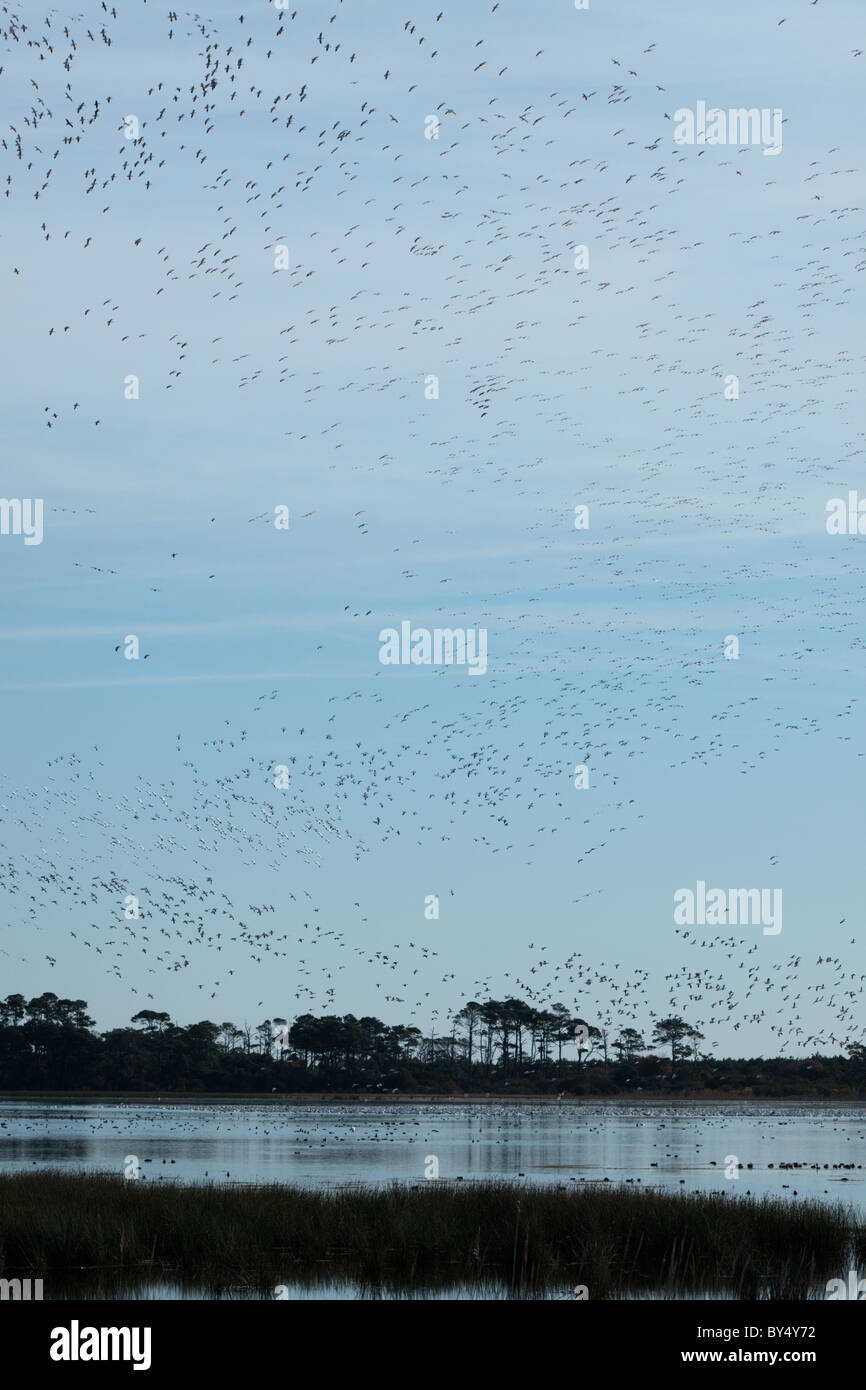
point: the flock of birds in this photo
(659, 1145)
(430, 211)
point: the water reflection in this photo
(102, 1286)
(784, 1149)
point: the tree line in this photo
(49, 1043)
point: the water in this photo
(684, 1147)
(327, 1144)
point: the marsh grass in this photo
(437, 1235)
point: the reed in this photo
(533, 1239)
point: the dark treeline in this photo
(497, 1046)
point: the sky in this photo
(431, 387)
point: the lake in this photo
(321, 1143)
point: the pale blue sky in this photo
(605, 387)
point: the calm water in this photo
(322, 1144)
(319, 1144)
